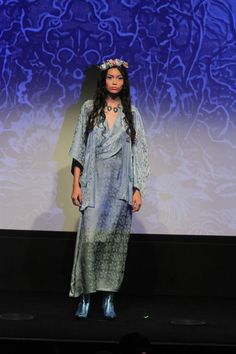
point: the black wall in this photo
(156, 264)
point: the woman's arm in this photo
(77, 149)
(141, 163)
(76, 195)
(77, 152)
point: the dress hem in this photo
(94, 291)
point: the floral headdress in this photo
(109, 63)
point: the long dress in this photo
(111, 168)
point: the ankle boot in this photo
(83, 306)
(108, 306)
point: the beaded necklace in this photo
(115, 109)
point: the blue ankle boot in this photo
(83, 306)
(108, 306)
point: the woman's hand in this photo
(136, 201)
(76, 195)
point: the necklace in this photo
(115, 109)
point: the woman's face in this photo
(114, 80)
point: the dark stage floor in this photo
(53, 328)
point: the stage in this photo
(174, 296)
(49, 324)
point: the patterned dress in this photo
(111, 169)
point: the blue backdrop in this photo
(181, 53)
(182, 69)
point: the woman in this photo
(110, 167)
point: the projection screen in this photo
(182, 69)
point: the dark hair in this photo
(99, 101)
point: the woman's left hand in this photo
(136, 201)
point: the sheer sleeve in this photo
(140, 152)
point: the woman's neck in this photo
(113, 98)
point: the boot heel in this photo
(83, 307)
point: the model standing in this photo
(110, 167)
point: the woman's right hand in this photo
(76, 195)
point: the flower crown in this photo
(109, 63)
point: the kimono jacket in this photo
(135, 160)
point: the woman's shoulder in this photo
(87, 104)
(134, 109)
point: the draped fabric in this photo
(136, 166)
(111, 169)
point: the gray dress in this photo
(111, 171)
